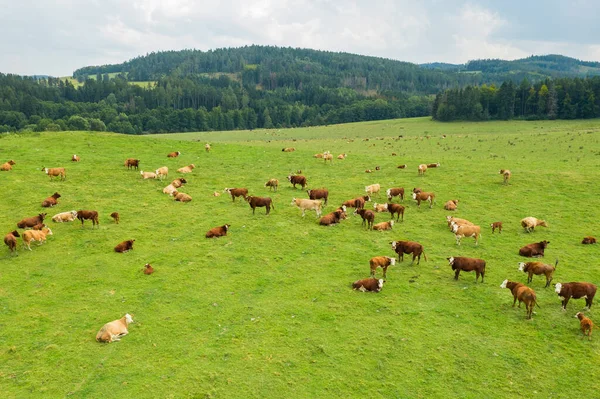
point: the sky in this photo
(56, 37)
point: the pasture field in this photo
(268, 312)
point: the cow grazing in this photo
(538, 268)
(88, 215)
(373, 189)
(380, 207)
(321, 193)
(32, 221)
(124, 246)
(51, 201)
(505, 174)
(585, 324)
(567, 291)
(384, 225)
(461, 263)
(148, 175)
(181, 197)
(522, 293)
(381, 261)
(297, 179)
(75, 158)
(219, 231)
(433, 165)
(187, 169)
(115, 216)
(402, 166)
(54, 172)
(308, 204)
(357, 203)
(178, 182)
(207, 147)
(451, 205)
(422, 169)
(65, 217)
(11, 241)
(534, 250)
(367, 216)
(272, 184)
(530, 223)
(368, 284)
(461, 231)
(397, 209)
(409, 247)
(114, 330)
(237, 192)
(35, 235)
(496, 225)
(6, 166)
(132, 163)
(589, 240)
(288, 149)
(421, 196)
(162, 172)
(148, 269)
(173, 154)
(259, 202)
(395, 192)
(333, 217)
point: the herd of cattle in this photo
(36, 230)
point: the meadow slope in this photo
(268, 310)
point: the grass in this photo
(268, 311)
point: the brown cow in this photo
(53, 172)
(51, 201)
(217, 231)
(316, 194)
(367, 215)
(132, 163)
(358, 202)
(89, 215)
(534, 250)
(506, 174)
(237, 192)
(333, 217)
(173, 154)
(420, 196)
(32, 221)
(575, 290)
(422, 169)
(11, 241)
(538, 268)
(75, 158)
(395, 192)
(433, 165)
(181, 197)
(585, 324)
(272, 184)
(297, 179)
(115, 216)
(384, 226)
(522, 293)
(383, 262)
(178, 182)
(409, 247)
(288, 149)
(589, 240)
(6, 166)
(259, 202)
(148, 269)
(496, 225)
(39, 226)
(451, 205)
(397, 209)
(461, 263)
(402, 166)
(124, 246)
(368, 284)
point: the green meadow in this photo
(268, 311)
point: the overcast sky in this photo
(55, 37)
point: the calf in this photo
(534, 250)
(461, 231)
(207, 147)
(341, 156)
(272, 184)
(420, 196)
(162, 172)
(328, 157)
(114, 330)
(321, 193)
(422, 169)
(115, 216)
(530, 223)
(124, 246)
(368, 217)
(384, 225)
(505, 174)
(187, 169)
(6, 166)
(409, 247)
(288, 149)
(88, 215)
(11, 241)
(237, 192)
(148, 269)
(433, 165)
(308, 204)
(538, 268)
(451, 205)
(148, 175)
(65, 217)
(333, 217)
(181, 197)
(395, 192)
(380, 207)
(35, 235)
(173, 154)
(368, 284)
(132, 163)
(397, 209)
(51, 201)
(53, 172)
(297, 179)
(75, 158)
(496, 225)
(588, 240)
(217, 231)
(383, 262)
(373, 189)
(402, 166)
(522, 293)
(461, 263)
(567, 291)
(32, 221)
(39, 226)
(585, 324)
(258, 202)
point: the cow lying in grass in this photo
(114, 330)
(219, 231)
(124, 246)
(65, 217)
(368, 284)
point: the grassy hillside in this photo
(268, 310)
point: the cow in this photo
(258, 202)
(236, 192)
(461, 231)
(124, 246)
(207, 147)
(373, 189)
(132, 163)
(148, 175)
(6, 166)
(88, 215)
(51, 201)
(397, 209)
(333, 217)
(181, 197)
(114, 330)
(402, 166)
(178, 182)
(161, 172)
(321, 193)
(35, 235)
(367, 215)
(272, 184)
(461, 263)
(308, 204)
(451, 205)
(288, 149)
(567, 291)
(585, 324)
(422, 169)
(530, 223)
(115, 216)
(328, 157)
(358, 202)
(522, 293)
(173, 154)
(395, 192)
(219, 231)
(380, 207)
(75, 158)
(341, 156)
(297, 179)
(384, 226)
(409, 247)
(420, 196)
(65, 216)
(433, 165)
(368, 284)
(32, 221)
(54, 172)
(187, 169)
(538, 268)
(383, 262)
(148, 269)
(11, 241)
(496, 225)
(534, 250)
(506, 174)
(589, 240)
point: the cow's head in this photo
(450, 260)
(414, 196)
(579, 316)
(521, 266)
(380, 283)
(128, 318)
(454, 227)
(394, 244)
(392, 223)
(392, 261)
(544, 243)
(289, 177)
(226, 226)
(558, 288)
(503, 285)
(227, 190)
(293, 201)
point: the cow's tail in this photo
(424, 256)
(536, 303)
(273, 204)
(556, 263)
